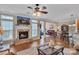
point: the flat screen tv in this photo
(23, 20)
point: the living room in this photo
(39, 29)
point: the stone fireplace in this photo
(23, 32)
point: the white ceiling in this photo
(56, 12)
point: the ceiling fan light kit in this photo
(37, 14)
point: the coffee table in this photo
(50, 50)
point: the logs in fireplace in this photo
(23, 34)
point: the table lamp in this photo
(1, 33)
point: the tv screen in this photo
(23, 20)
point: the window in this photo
(6, 17)
(7, 24)
(34, 21)
(34, 28)
(42, 26)
(49, 26)
(7, 35)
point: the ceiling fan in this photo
(38, 9)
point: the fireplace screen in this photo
(23, 35)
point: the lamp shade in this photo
(1, 31)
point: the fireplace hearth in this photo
(23, 34)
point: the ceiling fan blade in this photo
(44, 7)
(29, 7)
(45, 12)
